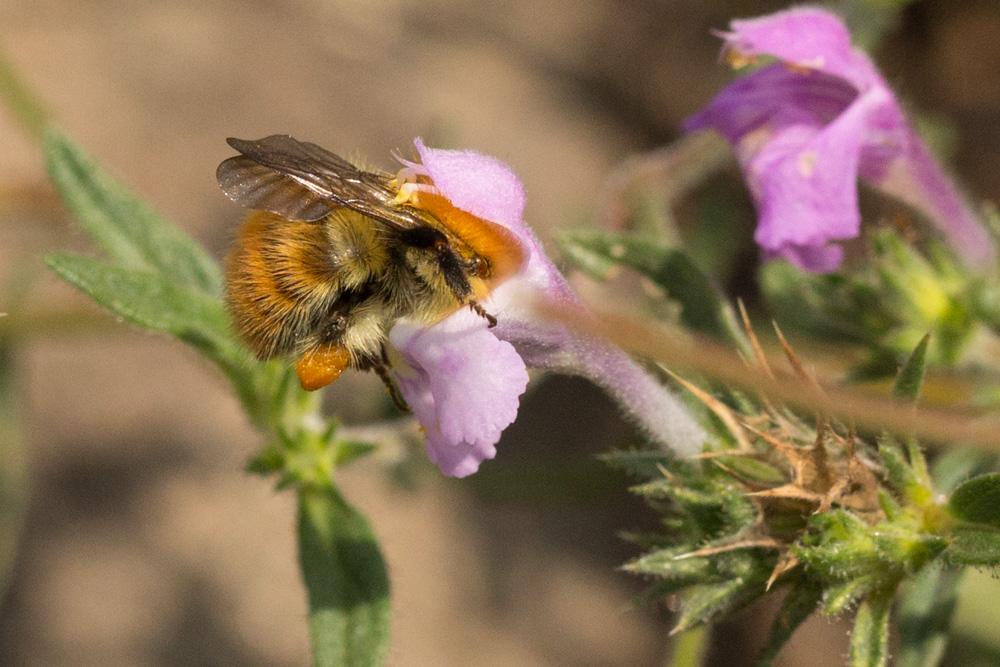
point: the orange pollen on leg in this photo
(321, 366)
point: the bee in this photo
(333, 255)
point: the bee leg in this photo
(381, 367)
(479, 310)
(321, 366)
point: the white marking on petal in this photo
(807, 163)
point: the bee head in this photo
(442, 263)
(489, 253)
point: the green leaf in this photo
(346, 580)
(597, 265)
(155, 302)
(753, 470)
(703, 603)
(675, 574)
(911, 375)
(351, 450)
(703, 308)
(870, 637)
(678, 573)
(799, 605)
(900, 474)
(978, 500)
(838, 597)
(838, 546)
(925, 615)
(974, 546)
(135, 236)
(835, 307)
(642, 463)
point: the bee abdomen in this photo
(293, 285)
(278, 280)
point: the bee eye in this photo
(479, 267)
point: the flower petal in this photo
(464, 386)
(915, 178)
(480, 184)
(805, 37)
(818, 259)
(804, 182)
(489, 189)
(650, 405)
(774, 94)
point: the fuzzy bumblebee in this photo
(334, 255)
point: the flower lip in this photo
(464, 386)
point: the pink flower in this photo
(806, 128)
(464, 380)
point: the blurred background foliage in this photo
(130, 534)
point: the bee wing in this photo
(303, 181)
(253, 185)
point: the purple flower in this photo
(464, 380)
(805, 128)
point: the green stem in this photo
(14, 485)
(690, 648)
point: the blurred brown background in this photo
(143, 541)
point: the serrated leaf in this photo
(799, 605)
(674, 574)
(686, 571)
(703, 603)
(911, 376)
(703, 308)
(350, 450)
(900, 475)
(974, 546)
(346, 580)
(838, 597)
(838, 546)
(642, 463)
(835, 307)
(889, 506)
(978, 500)
(710, 510)
(581, 256)
(136, 237)
(269, 460)
(925, 616)
(154, 302)
(754, 470)
(870, 636)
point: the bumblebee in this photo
(332, 255)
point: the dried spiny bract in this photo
(779, 499)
